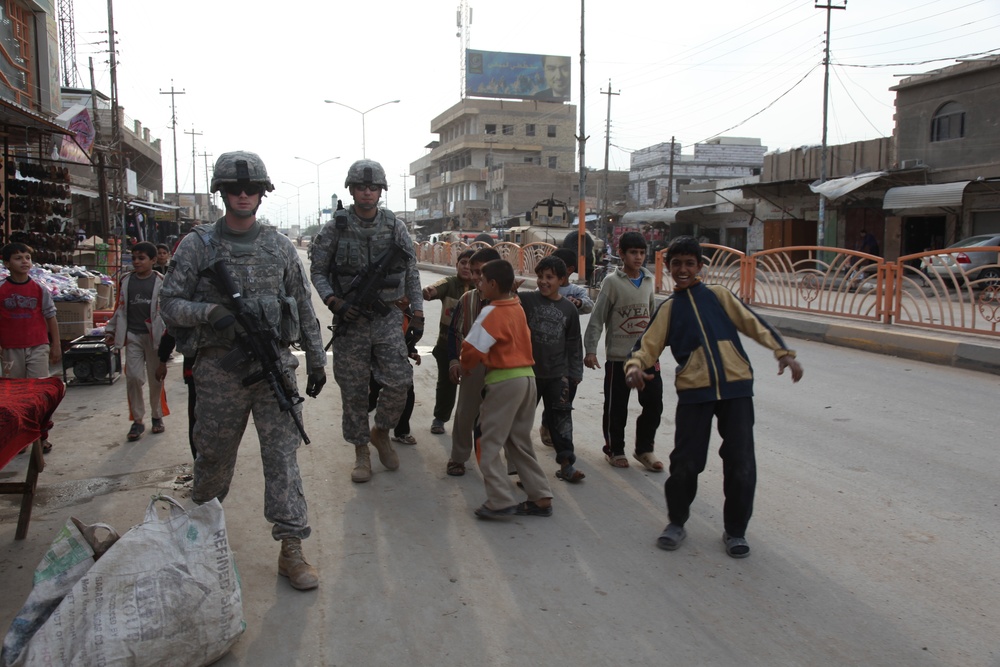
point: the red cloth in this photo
(26, 408)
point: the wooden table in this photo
(26, 408)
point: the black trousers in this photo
(739, 465)
(557, 395)
(616, 394)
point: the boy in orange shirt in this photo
(501, 341)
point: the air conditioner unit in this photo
(911, 164)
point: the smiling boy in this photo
(701, 325)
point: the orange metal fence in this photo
(918, 290)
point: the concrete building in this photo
(657, 173)
(451, 182)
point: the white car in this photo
(963, 267)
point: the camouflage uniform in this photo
(273, 284)
(366, 346)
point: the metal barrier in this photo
(917, 290)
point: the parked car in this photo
(967, 266)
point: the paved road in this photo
(872, 539)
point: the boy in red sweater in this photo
(501, 341)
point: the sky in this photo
(255, 75)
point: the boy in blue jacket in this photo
(701, 325)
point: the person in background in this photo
(701, 324)
(137, 326)
(162, 258)
(29, 331)
(449, 290)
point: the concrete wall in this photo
(842, 160)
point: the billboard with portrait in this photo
(517, 76)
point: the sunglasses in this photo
(236, 188)
(371, 188)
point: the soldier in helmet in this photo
(266, 270)
(368, 343)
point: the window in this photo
(948, 123)
(552, 130)
(553, 162)
(16, 64)
(491, 128)
(529, 160)
(529, 130)
(651, 190)
(508, 130)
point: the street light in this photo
(319, 205)
(298, 202)
(363, 113)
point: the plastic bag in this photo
(166, 593)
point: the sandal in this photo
(736, 547)
(456, 469)
(437, 427)
(136, 431)
(649, 461)
(570, 474)
(407, 439)
(46, 446)
(530, 508)
(484, 512)
(157, 426)
(616, 460)
(671, 537)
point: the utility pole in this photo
(194, 169)
(405, 213)
(114, 146)
(102, 177)
(582, 140)
(670, 176)
(821, 217)
(607, 151)
(208, 185)
(173, 126)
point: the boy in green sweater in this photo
(622, 312)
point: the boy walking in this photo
(29, 332)
(137, 326)
(470, 387)
(622, 312)
(558, 354)
(701, 325)
(449, 290)
(501, 341)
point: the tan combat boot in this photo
(362, 465)
(292, 564)
(386, 454)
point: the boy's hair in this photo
(501, 271)
(468, 252)
(146, 248)
(11, 249)
(631, 240)
(484, 255)
(568, 256)
(685, 245)
(163, 246)
(553, 264)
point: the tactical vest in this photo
(354, 247)
(258, 273)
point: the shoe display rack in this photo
(41, 210)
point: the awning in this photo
(153, 206)
(15, 117)
(938, 195)
(83, 192)
(838, 187)
(662, 215)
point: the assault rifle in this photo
(256, 343)
(364, 290)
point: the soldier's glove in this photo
(221, 318)
(314, 382)
(345, 310)
(414, 332)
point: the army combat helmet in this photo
(366, 172)
(241, 167)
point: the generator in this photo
(89, 360)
